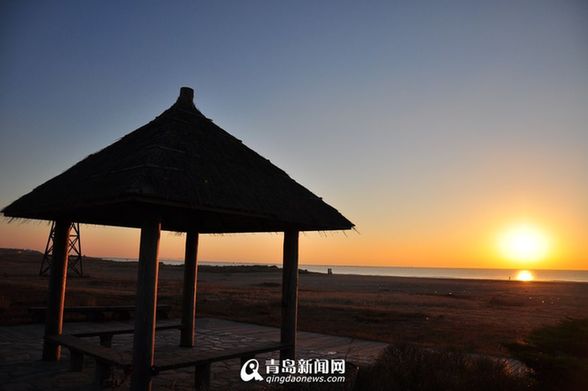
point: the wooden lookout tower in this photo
(180, 172)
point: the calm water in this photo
(424, 272)
(435, 272)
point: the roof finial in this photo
(186, 96)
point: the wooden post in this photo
(57, 283)
(106, 340)
(146, 304)
(190, 286)
(202, 377)
(289, 294)
(102, 373)
(76, 360)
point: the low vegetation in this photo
(550, 358)
(411, 368)
(557, 355)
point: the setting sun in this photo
(524, 243)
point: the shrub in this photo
(558, 355)
(408, 368)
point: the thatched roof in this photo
(186, 171)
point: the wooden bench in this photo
(98, 313)
(105, 357)
(107, 334)
(201, 361)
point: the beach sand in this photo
(472, 315)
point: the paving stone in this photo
(21, 368)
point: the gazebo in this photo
(180, 172)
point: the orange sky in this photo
(465, 244)
(433, 127)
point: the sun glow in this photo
(524, 275)
(524, 243)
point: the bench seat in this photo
(129, 330)
(107, 334)
(98, 312)
(101, 353)
(105, 357)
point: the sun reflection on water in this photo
(524, 275)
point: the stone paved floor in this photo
(22, 369)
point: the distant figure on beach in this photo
(330, 271)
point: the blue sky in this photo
(428, 124)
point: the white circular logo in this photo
(250, 371)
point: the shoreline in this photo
(310, 268)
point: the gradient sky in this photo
(433, 126)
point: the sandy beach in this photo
(471, 315)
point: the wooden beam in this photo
(146, 304)
(190, 287)
(289, 294)
(57, 284)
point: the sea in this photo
(422, 272)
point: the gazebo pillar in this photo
(57, 283)
(190, 287)
(146, 305)
(289, 294)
